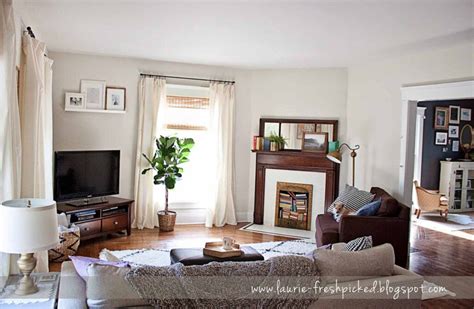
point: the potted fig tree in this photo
(166, 162)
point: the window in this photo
(187, 114)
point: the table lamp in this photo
(336, 157)
(27, 226)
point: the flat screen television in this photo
(86, 174)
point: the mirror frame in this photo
(466, 127)
(261, 130)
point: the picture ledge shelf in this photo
(96, 111)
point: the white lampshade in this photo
(28, 225)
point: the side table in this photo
(45, 298)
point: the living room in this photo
(293, 116)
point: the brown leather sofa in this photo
(390, 225)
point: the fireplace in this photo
(293, 205)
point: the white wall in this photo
(374, 105)
(298, 93)
(318, 93)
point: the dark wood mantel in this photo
(293, 160)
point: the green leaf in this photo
(170, 182)
(146, 170)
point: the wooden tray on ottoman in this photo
(216, 249)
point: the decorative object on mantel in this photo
(166, 162)
(95, 93)
(74, 101)
(441, 118)
(454, 114)
(317, 142)
(115, 98)
(277, 142)
(467, 140)
(336, 156)
(28, 226)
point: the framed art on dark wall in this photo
(441, 138)
(441, 118)
(465, 114)
(115, 98)
(454, 114)
(453, 131)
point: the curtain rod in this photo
(188, 78)
(30, 32)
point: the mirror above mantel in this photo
(292, 129)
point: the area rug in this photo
(460, 225)
(278, 231)
(161, 257)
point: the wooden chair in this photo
(430, 200)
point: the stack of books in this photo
(293, 206)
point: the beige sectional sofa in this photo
(351, 279)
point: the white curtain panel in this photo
(151, 97)
(36, 127)
(221, 208)
(10, 146)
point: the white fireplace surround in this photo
(272, 176)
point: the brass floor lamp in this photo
(336, 157)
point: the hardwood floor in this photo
(434, 253)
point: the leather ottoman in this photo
(195, 256)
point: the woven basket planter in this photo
(68, 243)
(166, 220)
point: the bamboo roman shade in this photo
(185, 113)
(187, 102)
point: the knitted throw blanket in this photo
(282, 282)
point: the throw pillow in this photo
(358, 244)
(369, 209)
(349, 266)
(82, 262)
(352, 198)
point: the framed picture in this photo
(305, 128)
(455, 146)
(115, 98)
(441, 118)
(95, 93)
(441, 138)
(454, 114)
(74, 101)
(316, 142)
(453, 131)
(465, 114)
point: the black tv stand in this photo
(89, 201)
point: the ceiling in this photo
(250, 34)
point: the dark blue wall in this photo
(433, 154)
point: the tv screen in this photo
(83, 174)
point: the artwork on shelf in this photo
(453, 131)
(316, 142)
(441, 138)
(115, 98)
(74, 101)
(454, 114)
(455, 146)
(441, 118)
(94, 91)
(305, 128)
(465, 114)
